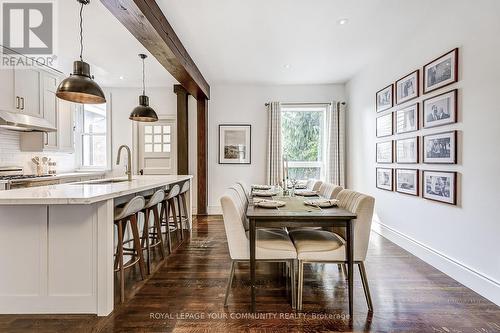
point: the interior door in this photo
(158, 147)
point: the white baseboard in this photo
(477, 281)
(214, 210)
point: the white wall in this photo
(462, 241)
(244, 104)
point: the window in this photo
(303, 133)
(92, 138)
(157, 139)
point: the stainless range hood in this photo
(24, 123)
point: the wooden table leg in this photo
(350, 264)
(252, 262)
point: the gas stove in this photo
(15, 176)
(22, 177)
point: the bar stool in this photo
(182, 202)
(168, 205)
(124, 216)
(151, 205)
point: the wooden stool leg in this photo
(137, 244)
(184, 206)
(180, 215)
(157, 223)
(174, 216)
(120, 260)
(169, 237)
(145, 235)
(122, 233)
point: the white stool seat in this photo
(133, 206)
(155, 199)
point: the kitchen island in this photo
(57, 244)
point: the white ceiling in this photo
(252, 41)
(110, 48)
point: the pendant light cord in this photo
(143, 78)
(81, 32)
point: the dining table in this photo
(295, 213)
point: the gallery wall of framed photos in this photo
(416, 140)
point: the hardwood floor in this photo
(408, 295)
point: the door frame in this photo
(135, 141)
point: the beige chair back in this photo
(173, 192)
(329, 191)
(235, 232)
(316, 185)
(245, 189)
(185, 187)
(241, 204)
(362, 205)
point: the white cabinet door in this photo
(50, 106)
(28, 86)
(65, 125)
(7, 95)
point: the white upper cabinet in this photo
(8, 100)
(66, 125)
(50, 107)
(28, 91)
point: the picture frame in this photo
(407, 181)
(384, 125)
(407, 150)
(384, 152)
(441, 72)
(440, 148)
(440, 186)
(235, 144)
(384, 98)
(408, 87)
(384, 179)
(440, 110)
(407, 119)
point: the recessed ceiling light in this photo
(287, 66)
(343, 21)
(121, 77)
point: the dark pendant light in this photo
(143, 112)
(80, 86)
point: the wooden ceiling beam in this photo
(145, 20)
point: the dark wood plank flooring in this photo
(186, 293)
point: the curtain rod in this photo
(306, 103)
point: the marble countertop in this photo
(85, 193)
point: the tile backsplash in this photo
(11, 155)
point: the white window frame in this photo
(311, 108)
(79, 134)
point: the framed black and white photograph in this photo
(385, 152)
(441, 148)
(440, 186)
(384, 98)
(385, 179)
(384, 125)
(407, 119)
(407, 88)
(407, 150)
(441, 72)
(440, 110)
(235, 144)
(407, 181)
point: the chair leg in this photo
(364, 280)
(184, 206)
(137, 244)
(300, 285)
(120, 261)
(145, 238)
(229, 282)
(180, 215)
(293, 278)
(159, 238)
(165, 208)
(174, 217)
(344, 269)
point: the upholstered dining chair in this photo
(320, 246)
(313, 184)
(270, 245)
(245, 189)
(329, 191)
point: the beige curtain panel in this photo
(274, 164)
(335, 144)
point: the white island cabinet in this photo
(57, 244)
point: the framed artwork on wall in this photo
(440, 110)
(384, 152)
(407, 119)
(407, 88)
(407, 150)
(441, 72)
(235, 144)
(384, 179)
(384, 98)
(384, 125)
(441, 148)
(440, 186)
(407, 181)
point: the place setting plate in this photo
(269, 203)
(261, 187)
(264, 193)
(306, 193)
(322, 203)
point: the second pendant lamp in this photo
(143, 112)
